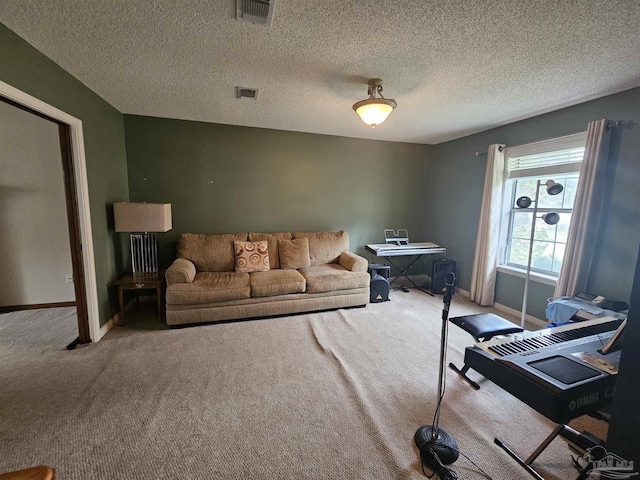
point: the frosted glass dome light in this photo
(373, 111)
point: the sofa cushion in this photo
(276, 282)
(294, 253)
(272, 239)
(331, 276)
(209, 253)
(210, 287)
(325, 247)
(251, 256)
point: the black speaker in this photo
(439, 268)
(379, 286)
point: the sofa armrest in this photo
(353, 262)
(180, 271)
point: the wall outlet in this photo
(68, 278)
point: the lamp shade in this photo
(142, 217)
(551, 218)
(374, 111)
(524, 202)
(553, 188)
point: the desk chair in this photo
(482, 327)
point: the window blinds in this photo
(559, 155)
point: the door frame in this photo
(78, 159)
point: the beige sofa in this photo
(203, 286)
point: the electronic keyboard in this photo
(540, 368)
(391, 250)
(533, 340)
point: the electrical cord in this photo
(444, 389)
(474, 464)
(429, 458)
(465, 303)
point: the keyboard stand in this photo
(463, 374)
(400, 247)
(403, 272)
(565, 431)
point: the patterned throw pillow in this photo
(251, 256)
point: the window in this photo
(560, 160)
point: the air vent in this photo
(259, 12)
(244, 92)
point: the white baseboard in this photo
(462, 292)
(517, 313)
(113, 321)
(511, 311)
(108, 326)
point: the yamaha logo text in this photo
(584, 401)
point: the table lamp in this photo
(143, 220)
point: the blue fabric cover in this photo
(562, 309)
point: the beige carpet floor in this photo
(49, 328)
(333, 395)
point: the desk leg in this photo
(121, 303)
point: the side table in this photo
(140, 282)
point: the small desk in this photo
(387, 250)
(140, 282)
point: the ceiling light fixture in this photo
(373, 111)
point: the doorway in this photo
(63, 229)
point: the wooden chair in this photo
(33, 473)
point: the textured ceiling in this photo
(454, 67)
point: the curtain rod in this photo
(484, 153)
(620, 124)
(610, 125)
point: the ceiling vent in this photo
(244, 92)
(259, 12)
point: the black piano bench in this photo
(482, 327)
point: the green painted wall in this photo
(457, 184)
(222, 179)
(25, 68)
(509, 291)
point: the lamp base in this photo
(444, 445)
(144, 253)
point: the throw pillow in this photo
(251, 256)
(294, 253)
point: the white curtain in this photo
(587, 209)
(483, 276)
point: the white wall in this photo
(34, 238)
